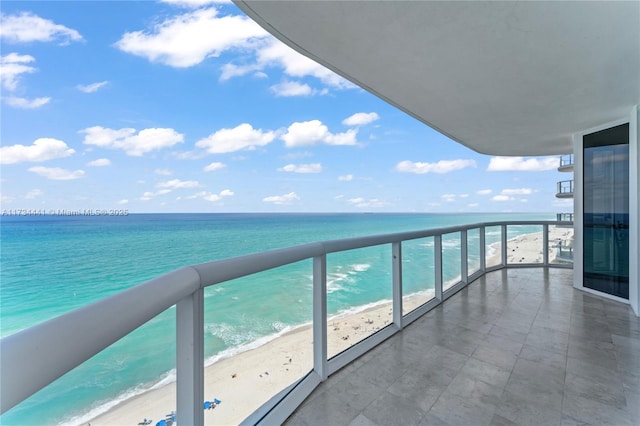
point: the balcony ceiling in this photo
(502, 78)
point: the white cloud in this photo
(282, 199)
(520, 164)
(27, 27)
(33, 194)
(463, 195)
(43, 149)
(278, 54)
(12, 66)
(449, 198)
(517, 191)
(24, 103)
(190, 38)
(291, 88)
(123, 202)
(345, 178)
(56, 173)
(101, 162)
(242, 137)
(484, 192)
(502, 198)
(442, 166)
(214, 166)
(127, 140)
(150, 194)
(302, 168)
(91, 88)
(312, 132)
(473, 205)
(163, 172)
(362, 202)
(209, 196)
(178, 184)
(360, 119)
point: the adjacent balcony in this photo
(565, 189)
(564, 217)
(566, 163)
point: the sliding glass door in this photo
(606, 211)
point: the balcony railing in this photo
(33, 358)
(564, 217)
(565, 189)
(566, 163)
(565, 251)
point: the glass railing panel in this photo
(492, 245)
(418, 275)
(137, 364)
(566, 160)
(524, 244)
(359, 294)
(451, 260)
(473, 251)
(565, 187)
(560, 244)
(258, 336)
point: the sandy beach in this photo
(528, 248)
(245, 381)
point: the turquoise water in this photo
(52, 264)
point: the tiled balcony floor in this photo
(519, 346)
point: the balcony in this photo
(566, 163)
(565, 189)
(73, 338)
(564, 217)
(518, 346)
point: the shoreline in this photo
(245, 380)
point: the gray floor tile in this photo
(485, 372)
(456, 410)
(524, 411)
(593, 412)
(423, 387)
(390, 409)
(362, 420)
(609, 393)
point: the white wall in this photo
(577, 210)
(634, 209)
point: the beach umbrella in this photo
(162, 423)
(207, 405)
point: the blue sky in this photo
(189, 106)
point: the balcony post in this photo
(396, 249)
(464, 257)
(320, 316)
(545, 244)
(483, 251)
(190, 359)
(503, 248)
(437, 267)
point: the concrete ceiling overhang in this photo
(502, 78)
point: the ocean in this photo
(54, 264)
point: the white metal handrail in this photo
(33, 358)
